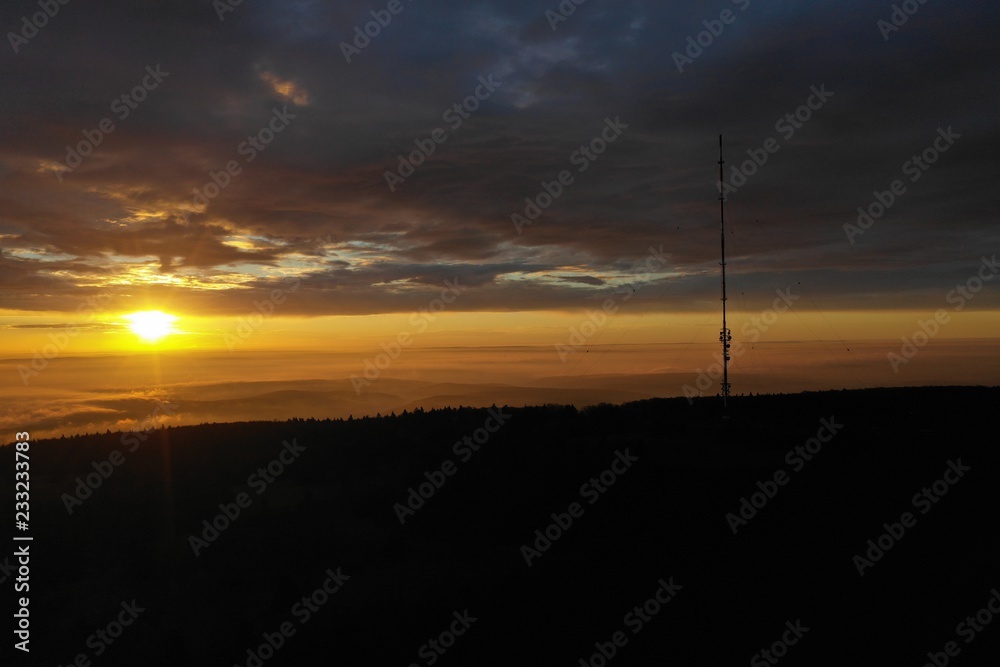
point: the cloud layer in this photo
(258, 153)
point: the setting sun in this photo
(151, 325)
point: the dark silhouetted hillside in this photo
(664, 517)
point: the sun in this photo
(151, 325)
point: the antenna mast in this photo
(724, 336)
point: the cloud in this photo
(313, 201)
(583, 280)
(91, 326)
(288, 90)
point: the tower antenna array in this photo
(725, 337)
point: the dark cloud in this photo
(583, 280)
(93, 326)
(313, 201)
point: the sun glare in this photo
(151, 325)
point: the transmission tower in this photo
(725, 337)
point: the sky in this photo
(487, 174)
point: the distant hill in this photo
(658, 486)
